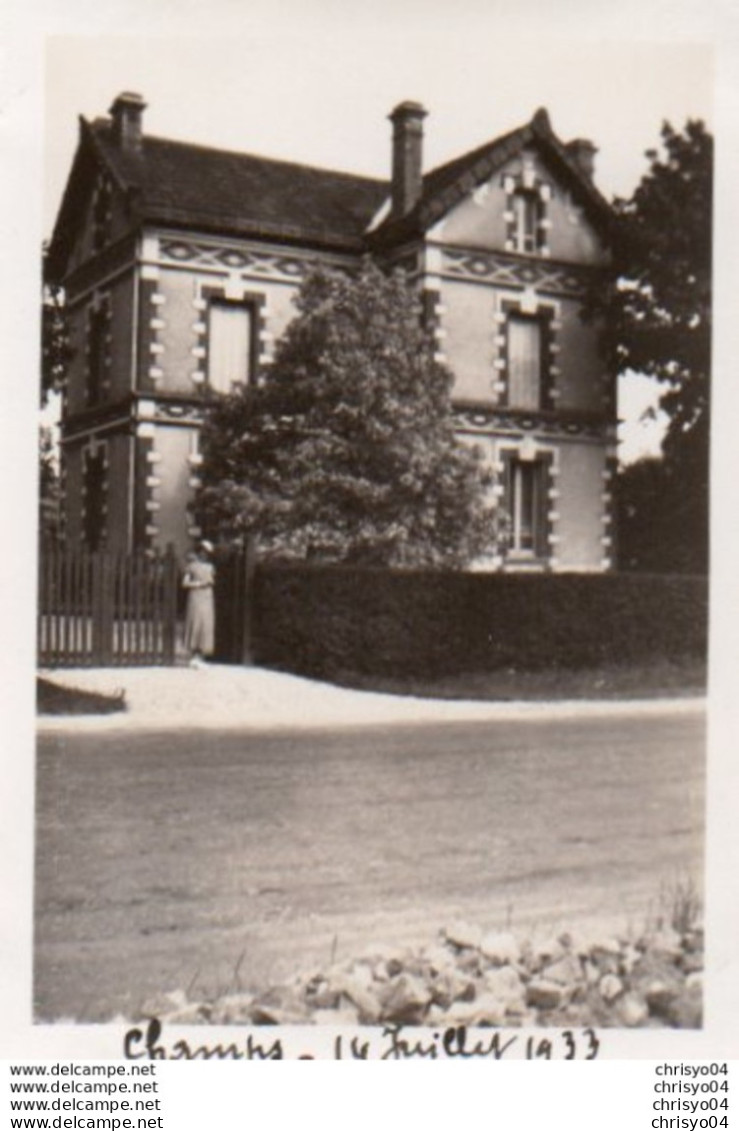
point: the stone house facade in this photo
(180, 264)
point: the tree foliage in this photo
(655, 307)
(56, 350)
(49, 502)
(662, 528)
(345, 450)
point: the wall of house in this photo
(581, 381)
(119, 295)
(119, 224)
(171, 489)
(71, 485)
(182, 317)
(479, 221)
(467, 319)
(118, 481)
(580, 507)
(75, 388)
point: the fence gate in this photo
(101, 609)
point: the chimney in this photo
(583, 154)
(407, 119)
(127, 112)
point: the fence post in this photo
(169, 611)
(247, 622)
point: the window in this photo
(230, 344)
(524, 361)
(525, 221)
(101, 215)
(96, 354)
(526, 498)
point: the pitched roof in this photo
(446, 185)
(220, 191)
(224, 192)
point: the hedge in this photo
(328, 620)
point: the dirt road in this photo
(225, 860)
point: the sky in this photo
(315, 86)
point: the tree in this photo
(345, 450)
(56, 351)
(48, 488)
(655, 303)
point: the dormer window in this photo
(525, 221)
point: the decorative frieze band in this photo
(483, 420)
(201, 254)
(507, 271)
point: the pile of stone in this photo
(476, 979)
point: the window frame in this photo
(515, 467)
(254, 303)
(531, 210)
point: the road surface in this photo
(213, 862)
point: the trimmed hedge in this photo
(329, 620)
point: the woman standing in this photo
(198, 580)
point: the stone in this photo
(549, 950)
(201, 1014)
(235, 1009)
(685, 1011)
(692, 962)
(485, 1010)
(632, 1010)
(541, 994)
(660, 999)
(161, 1005)
(505, 983)
(404, 1000)
(470, 961)
(604, 944)
(610, 987)
(463, 934)
(321, 995)
(451, 986)
(567, 971)
(281, 1005)
(438, 958)
(694, 981)
(359, 993)
(666, 942)
(500, 947)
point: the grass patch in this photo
(657, 680)
(56, 699)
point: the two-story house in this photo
(180, 264)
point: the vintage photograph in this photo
(372, 615)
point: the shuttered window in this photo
(524, 362)
(230, 345)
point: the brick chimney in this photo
(407, 119)
(127, 112)
(583, 153)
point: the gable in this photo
(483, 218)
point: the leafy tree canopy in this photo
(345, 450)
(56, 351)
(655, 308)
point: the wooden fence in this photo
(101, 609)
